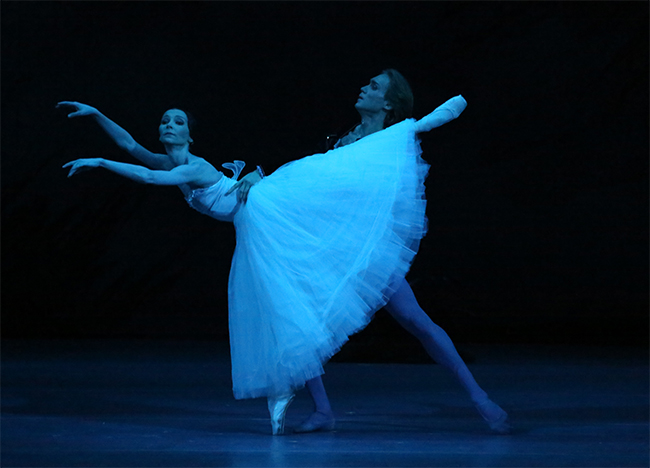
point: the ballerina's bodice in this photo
(213, 201)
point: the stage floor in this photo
(138, 403)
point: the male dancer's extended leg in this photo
(405, 309)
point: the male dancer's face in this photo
(371, 99)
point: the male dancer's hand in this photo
(244, 185)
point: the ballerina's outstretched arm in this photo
(443, 114)
(121, 137)
(200, 173)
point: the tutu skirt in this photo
(322, 243)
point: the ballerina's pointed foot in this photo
(278, 410)
(317, 421)
(495, 417)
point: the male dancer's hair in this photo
(399, 96)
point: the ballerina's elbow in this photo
(127, 145)
(148, 177)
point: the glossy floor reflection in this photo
(145, 404)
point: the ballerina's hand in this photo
(80, 109)
(244, 186)
(81, 165)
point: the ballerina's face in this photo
(372, 95)
(174, 129)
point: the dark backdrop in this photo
(538, 194)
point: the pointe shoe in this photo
(494, 416)
(317, 421)
(278, 410)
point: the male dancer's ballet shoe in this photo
(317, 421)
(494, 416)
(278, 410)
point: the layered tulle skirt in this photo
(322, 243)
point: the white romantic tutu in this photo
(322, 243)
